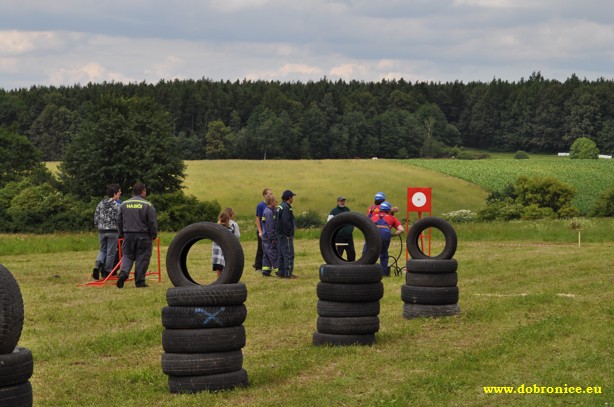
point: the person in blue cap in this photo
(377, 201)
(285, 235)
(385, 222)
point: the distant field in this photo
(317, 183)
(590, 177)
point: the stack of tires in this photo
(204, 334)
(349, 292)
(16, 363)
(431, 282)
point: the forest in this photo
(326, 120)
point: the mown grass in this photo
(530, 314)
(318, 183)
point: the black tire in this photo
(215, 382)
(413, 238)
(350, 292)
(320, 339)
(432, 280)
(207, 295)
(203, 317)
(16, 367)
(19, 395)
(373, 241)
(198, 364)
(177, 254)
(348, 309)
(203, 340)
(350, 273)
(431, 266)
(11, 311)
(432, 311)
(348, 326)
(429, 295)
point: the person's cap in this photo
(380, 196)
(340, 198)
(385, 206)
(287, 194)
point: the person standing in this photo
(285, 235)
(344, 242)
(385, 222)
(270, 257)
(138, 226)
(377, 201)
(105, 219)
(259, 211)
(234, 226)
(217, 256)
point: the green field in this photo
(536, 308)
(589, 177)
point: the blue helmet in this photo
(380, 196)
(385, 206)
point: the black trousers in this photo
(136, 248)
(259, 254)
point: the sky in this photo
(68, 42)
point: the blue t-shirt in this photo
(260, 209)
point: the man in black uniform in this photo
(285, 235)
(138, 226)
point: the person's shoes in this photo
(280, 275)
(266, 274)
(120, 281)
(95, 273)
(292, 276)
(142, 286)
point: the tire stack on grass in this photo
(16, 363)
(204, 334)
(349, 292)
(431, 282)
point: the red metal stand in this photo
(419, 201)
(112, 277)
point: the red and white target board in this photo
(419, 201)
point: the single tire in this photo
(348, 325)
(373, 241)
(432, 280)
(11, 311)
(203, 317)
(350, 273)
(431, 266)
(177, 254)
(415, 231)
(198, 364)
(320, 339)
(432, 311)
(19, 395)
(203, 340)
(16, 367)
(429, 295)
(348, 309)
(214, 382)
(207, 295)
(350, 292)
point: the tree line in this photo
(329, 119)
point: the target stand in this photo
(113, 275)
(419, 202)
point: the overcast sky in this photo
(64, 42)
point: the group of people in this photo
(135, 221)
(382, 214)
(275, 224)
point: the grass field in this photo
(536, 308)
(531, 313)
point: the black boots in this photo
(96, 273)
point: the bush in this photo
(177, 210)
(506, 209)
(521, 155)
(545, 192)
(604, 204)
(584, 148)
(460, 216)
(534, 212)
(309, 219)
(501, 195)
